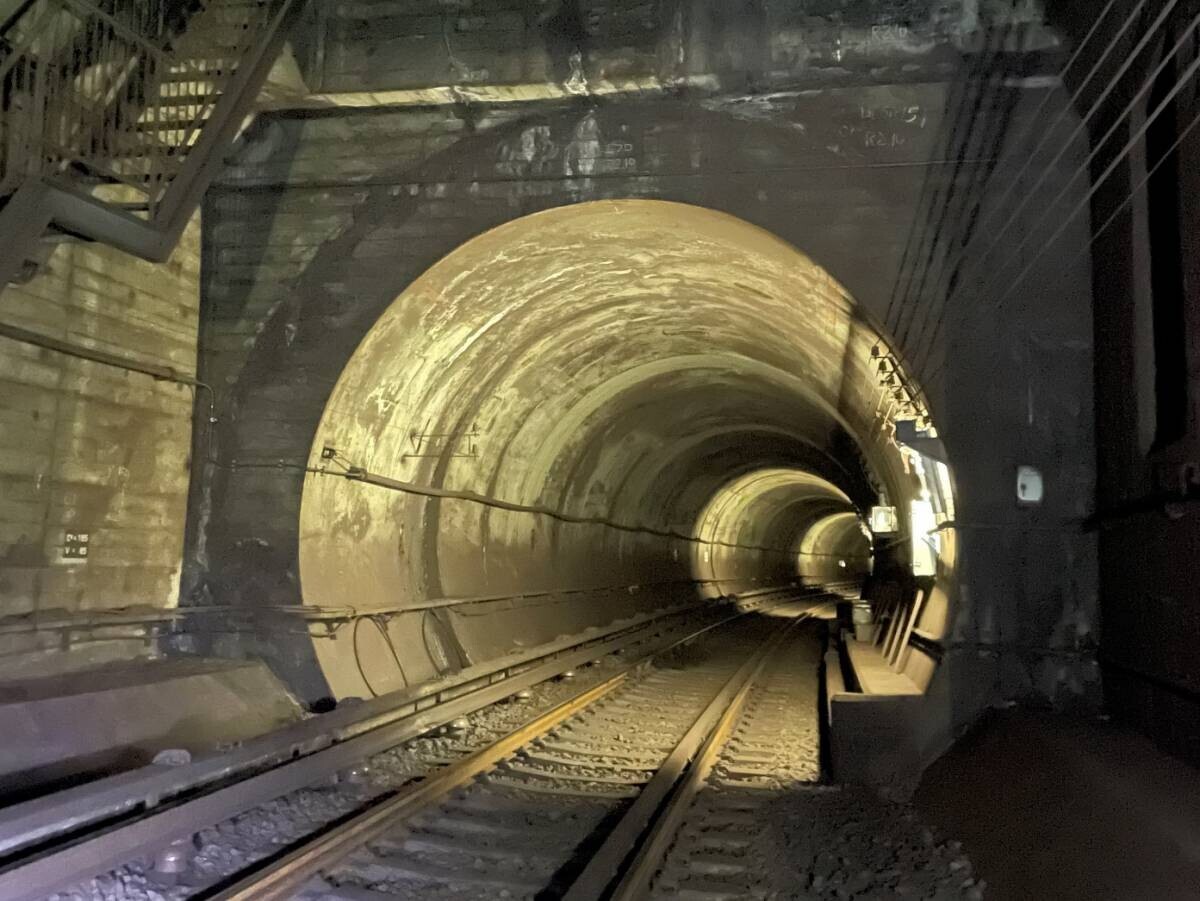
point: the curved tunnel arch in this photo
(776, 510)
(642, 362)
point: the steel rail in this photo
(42, 820)
(635, 882)
(298, 868)
(306, 754)
(282, 877)
(674, 784)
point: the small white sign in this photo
(884, 520)
(75, 547)
(1029, 485)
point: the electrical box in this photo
(1029, 485)
(884, 520)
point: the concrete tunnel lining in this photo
(637, 361)
(777, 510)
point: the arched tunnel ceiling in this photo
(775, 504)
(628, 360)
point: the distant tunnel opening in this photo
(619, 405)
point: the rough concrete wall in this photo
(300, 274)
(86, 448)
(602, 355)
(350, 231)
(398, 45)
(311, 240)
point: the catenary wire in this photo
(1111, 218)
(955, 267)
(1036, 227)
(1079, 130)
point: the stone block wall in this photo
(88, 449)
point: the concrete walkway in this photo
(1049, 807)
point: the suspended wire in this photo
(1147, 85)
(358, 474)
(968, 218)
(916, 232)
(965, 217)
(950, 200)
(387, 638)
(939, 205)
(1048, 131)
(1085, 167)
(362, 673)
(1073, 103)
(946, 301)
(972, 218)
(952, 144)
(1049, 167)
(1050, 208)
(964, 103)
(1167, 156)
(1179, 85)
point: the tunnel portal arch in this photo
(683, 378)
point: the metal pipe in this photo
(156, 371)
(358, 474)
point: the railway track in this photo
(555, 808)
(712, 842)
(685, 764)
(98, 840)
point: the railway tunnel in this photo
(623, 403)
(596, 449)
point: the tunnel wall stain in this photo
(327, 216)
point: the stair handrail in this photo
(65, 65)
(118, 92)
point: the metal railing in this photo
(118, 91)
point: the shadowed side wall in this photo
(1147, 376)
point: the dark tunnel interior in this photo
(599, 449)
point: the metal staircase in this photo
(116, 114)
